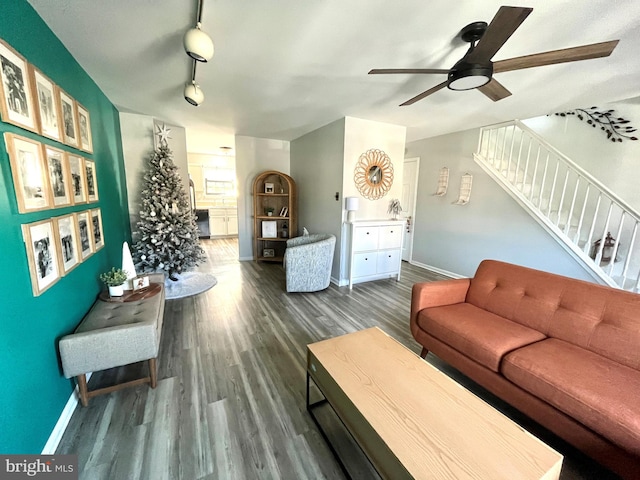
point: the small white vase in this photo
(116, 291)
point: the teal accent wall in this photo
(34, 391)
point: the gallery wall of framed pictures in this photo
(57, 245)
(45, 177)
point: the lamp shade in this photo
(193, 94)
(198, 44)
(352, 204)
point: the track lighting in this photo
(198, 44)
(192, 91)
(193, 94)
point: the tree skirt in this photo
(190, 283)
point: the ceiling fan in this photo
(475, 69)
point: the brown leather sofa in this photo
(564, 352)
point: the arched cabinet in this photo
(274, 215)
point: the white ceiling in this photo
(283, 68)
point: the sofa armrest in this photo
(437, 294)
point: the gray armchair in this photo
(308, 261)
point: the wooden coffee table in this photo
(413, 421)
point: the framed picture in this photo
(141, 282)
(69, 126)
(284, 212)
(269, 229)
(84, 129)
(96, 229)
(268, 188)
(29, 176)
(92, 185)
(16, 105)
(78, 179)
(67, 242)
(41, 253)
(268, 253)
(59, 177)
(84, 234)
(48, 105)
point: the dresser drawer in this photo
(388, 261)
(365, 238)
(364, 264)
(390, 236)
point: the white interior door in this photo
(408, 202)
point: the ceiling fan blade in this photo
(413, 100)
(494, 90)
(585, 52)
(376, 71)
(506, 21)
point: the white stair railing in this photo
(591, 222)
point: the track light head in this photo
(198, 44)
(193, 94)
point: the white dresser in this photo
(375, 250)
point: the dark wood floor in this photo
(230, 401)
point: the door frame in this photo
(415, 201)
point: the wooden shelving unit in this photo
(280, 194)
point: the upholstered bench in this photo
(113, 334)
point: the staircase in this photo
(591, 222)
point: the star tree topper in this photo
(163, 134)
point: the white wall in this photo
(456, 238)
(323, 163)
(360, 136)
(254, 155)
(137, 146)
(616, 165)
(317, 160)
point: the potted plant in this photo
(114, 279)
(394, 208)
(269, 210)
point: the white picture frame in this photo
(270, 229)
(269, 188)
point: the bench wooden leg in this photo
(424, 352)
(153, 372)
(82, 388)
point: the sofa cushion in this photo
(480, 335)
(598, 392)
(602, 319)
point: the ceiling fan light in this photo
(198, 44)
(466, 76)
(193, 94)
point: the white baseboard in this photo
(437, 270)
(61, 425)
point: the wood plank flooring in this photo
(230, 401)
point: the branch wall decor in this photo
(616, 128)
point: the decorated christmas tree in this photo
(167, 232)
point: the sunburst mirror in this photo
(373, 174)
